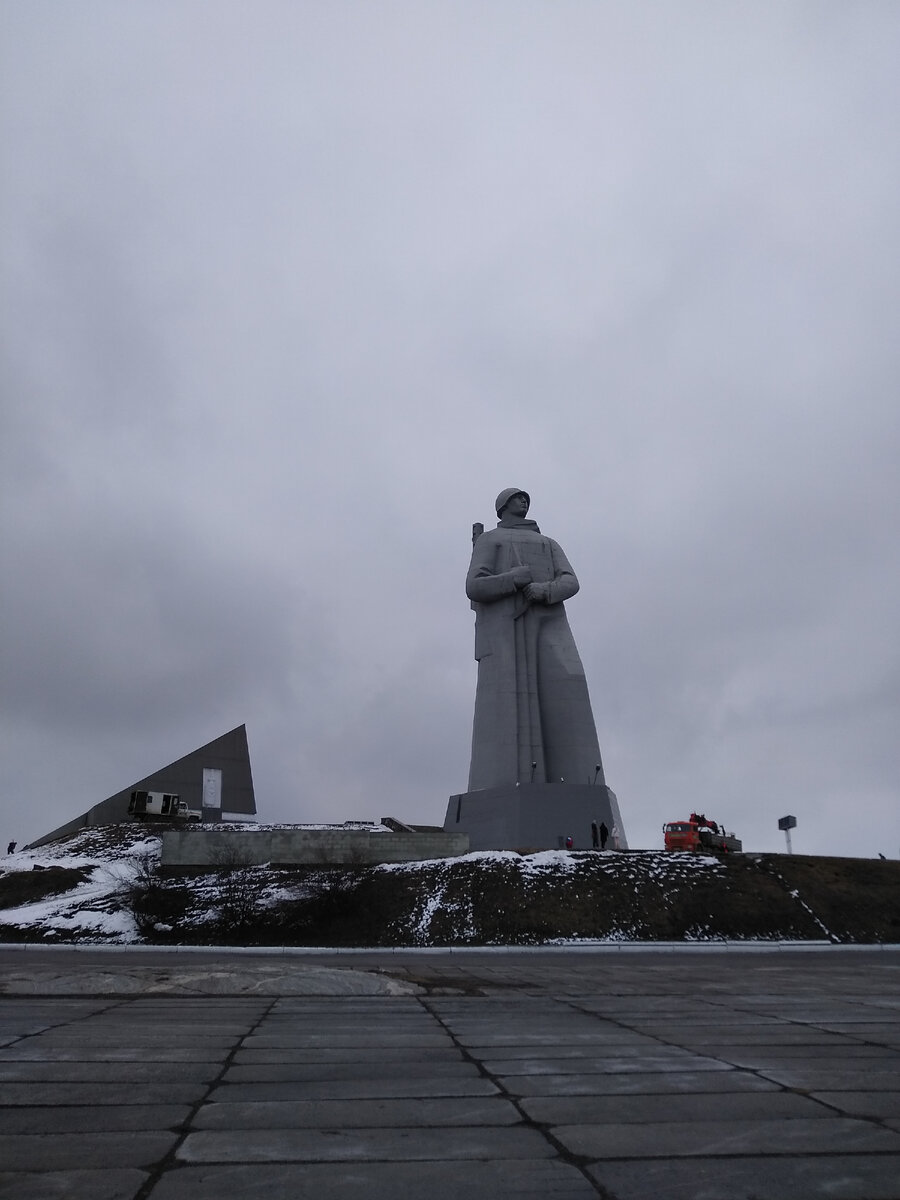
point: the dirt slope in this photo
(103, 885)
(639, 896)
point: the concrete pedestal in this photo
(534, 816)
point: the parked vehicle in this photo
(161, 806)
(698, 833)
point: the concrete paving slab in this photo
(347, 1018)
(44, 1012)
(856, 1058)
(715, 1017)
(743, 1035)
(679, 1139)
(877, 1030)
(106, 1072)
(363, 1038)
(661, 1061)
(171, 1038)
(79, 1151)
(826, 1177)
(86, 1034)
(635, 1083)
(477, 1011)
(554, 1034)
(100, 1094)
(364, 1145)
(260, 978)
(514, 1037)
(217, 1013)
(387, 1087)
(783, 1051)
(362, 1114)
(86, 1119)
(815, 1079)
(703, 1107)
(85, 1052)
(394, 1008)
(348, 1054)
(360, 1071)
(819, 1016)
(532, 1179)
(16, 1029)
(874, 1105)
(561, 1051)
(71, 1185)
(211, 1018)
(290, 1026)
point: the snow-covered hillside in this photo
(103, 886)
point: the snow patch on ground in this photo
(365, 826)
(96, 906)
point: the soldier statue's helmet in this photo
(506, 495)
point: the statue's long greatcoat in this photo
(532, 703)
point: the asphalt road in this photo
(564, 1074)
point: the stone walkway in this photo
(691, 1076)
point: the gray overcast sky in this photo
(291, 290)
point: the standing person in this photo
(11, 848)
(533, 718)
(604, 835)
(595, 835)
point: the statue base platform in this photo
(535, 816)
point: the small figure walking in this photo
(604, 835)
(11, 848)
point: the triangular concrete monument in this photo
(215, 778)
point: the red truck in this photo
(700, 834)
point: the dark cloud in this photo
(291, 292)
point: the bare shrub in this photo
(241, 886)
(146, 897)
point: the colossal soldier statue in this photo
(533, 721)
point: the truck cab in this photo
(681, 835)
(699, 834)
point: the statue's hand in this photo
(537, 593)
(521, 576)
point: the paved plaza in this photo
(771, 1075)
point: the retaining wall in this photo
(304, 847)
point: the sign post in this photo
(787, 824)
